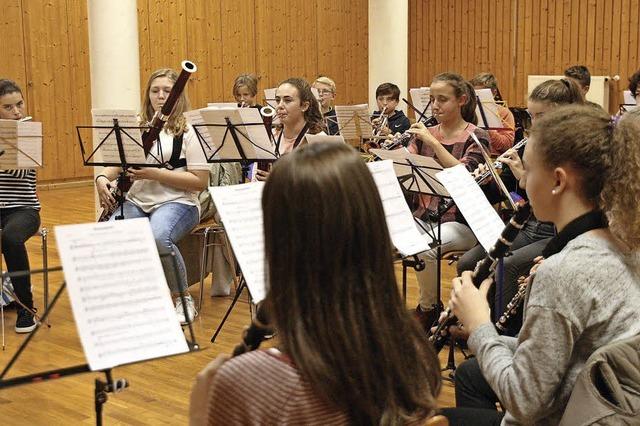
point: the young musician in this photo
(168, 195)
(348, 353)
(19, 212)
(535, 235)
(580, 171)
(450, 143)
(245, 90)
(581, 76)
(327, 91)
(502, 139)
(387, 98)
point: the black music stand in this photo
(428, 121)
(124, 163)
(102, 388)
(483, 115)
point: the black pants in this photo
(475, 400)
(18, 225)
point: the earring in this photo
(553, 191)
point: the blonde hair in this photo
(485, 79)
(177, 123)
(326, 80)
(249, 81)
(606, 156)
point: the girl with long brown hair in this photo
(581, 173)
(348, 352)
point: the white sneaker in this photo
(191, 309)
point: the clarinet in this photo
(513, 305)
(485, 268)
(256, 333)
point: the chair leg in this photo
(45, 265)
(203, 265)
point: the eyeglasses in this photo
(323, 92)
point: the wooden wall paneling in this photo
(567, 36)
(484, 32)
(11, 33)
(526, 64)
(452, 57)
(238, 41)
(497, 33)
(542, 44)
(204, 47)
(625, 66)
(48, 61)
(331, 49)
(607, 33)
(634, 43)
(464, 41)
(509, 51)
(599, 64)
(414, 43)
(473, 26)
(167, 36)
(355, 41)
(590, 39)
(302, 29)
(144, 40)
(572, 57)
(80, 75)
(560, 35)
(615, 37)
(271, 43)
(551, 35)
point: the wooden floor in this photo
(159, 390)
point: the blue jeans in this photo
(169, 223)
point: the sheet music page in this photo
(420, 100)
(353, 121)
(490, 108)
(403, 230)
(9, 143)
(119, 295)
(324, 138)
(472, 203)
(260, 146)
(270, 97)
(222, 105)
(29, 144)
(628, 98)
(194, 117)
(108, 152)
(216, 126)
(240, 208)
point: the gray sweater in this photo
(581, 299)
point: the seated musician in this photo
(535, 235)
(500, 139)
(299, 113)
(327, 91)
(245, 91)
(634, 86)
(388, 120)
(450, 143)
(168, 196)
(19, 213)
(348, 351)
(580, 171)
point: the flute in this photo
(485, 268)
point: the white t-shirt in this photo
(151, 194)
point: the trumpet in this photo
(384, 120)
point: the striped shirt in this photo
(18, 189)
(263, 387)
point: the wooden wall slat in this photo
(13, 64)
(549, 36)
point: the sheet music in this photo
(426, 167)
(240, 208)
(194, 117)
(259, 145)
(628, 98)
(420, 97)
(491, 110)
(270, 97)
(324, 138)
(472, 203)
(119, 295)
(353, 121)
(222, 105)
(403, 230)
(22, 144)
(108, 151)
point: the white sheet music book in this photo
(426, 167)
(22, 144)
(473, 204)
(119, 295)
(240, 208)
(354, 121)
(222, 105)
(270, 97)
(403, 230)
(108, 152)
(629, 101)
(324, 138)
(491, 110)
(420, 97)
(254, 139)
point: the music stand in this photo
(416, 174)
(128, 152)
(20, 144)
(354, 123)
(102, 388)
(487, 111)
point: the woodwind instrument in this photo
(267, 114)
(514, 304)
(257, 331)
(485, 268)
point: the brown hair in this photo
(579, 73)
(332, 289)
(247, 80)
(312, 116)
(8, 86)
(559, 92)
(606, 156)
(388, 89)
(176, 123)
(461, 87)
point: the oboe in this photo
(514, 304)
(484, 269)
(256, 333)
